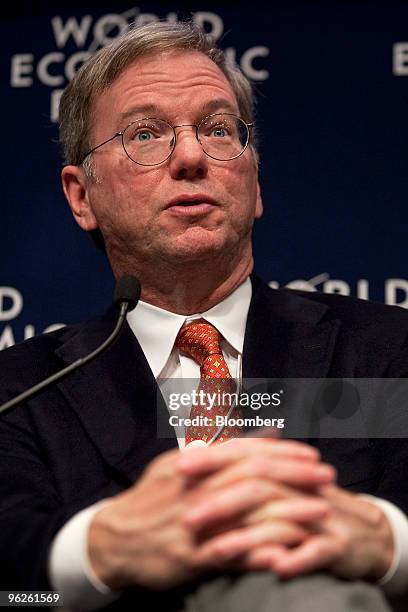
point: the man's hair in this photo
(103, 68)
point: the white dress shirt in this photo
(156, 331)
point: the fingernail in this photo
(326, 472)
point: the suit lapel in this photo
(115, 397)
(287, 336)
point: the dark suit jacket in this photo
(91, 435)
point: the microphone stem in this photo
(73, 366)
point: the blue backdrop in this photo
(332, 85)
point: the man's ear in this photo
(259, 205)
(75, 186)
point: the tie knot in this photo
(199, 341)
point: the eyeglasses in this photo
(150, 141)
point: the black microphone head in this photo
(127, 290)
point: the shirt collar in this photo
(156, 329)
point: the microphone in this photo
(126, 296)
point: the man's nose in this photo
(188, 159)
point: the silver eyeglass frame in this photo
(173, 141)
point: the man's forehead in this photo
(169, 70)
(157, 82)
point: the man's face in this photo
(140, 209)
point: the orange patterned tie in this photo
(201, 341)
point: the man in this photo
(160, 163)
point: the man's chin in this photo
(197, 246)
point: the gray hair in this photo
(103, 68)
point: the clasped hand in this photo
(248, 504)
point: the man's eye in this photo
(219, 132)
(143, 136)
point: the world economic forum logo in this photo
(74, 39)
(395, 289)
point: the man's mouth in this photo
(191, 204)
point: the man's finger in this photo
(301, 509)
(315, 553)
(280, 469)
(201, 461)
(260, 558)
(240, 541)
(222, 505)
